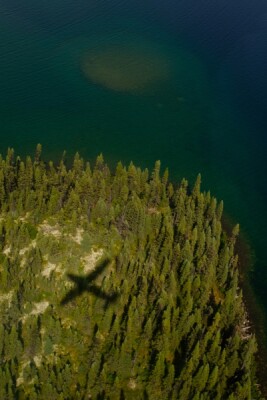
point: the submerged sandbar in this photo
(125, 68)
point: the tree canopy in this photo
(117, 285)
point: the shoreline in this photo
(253, 308)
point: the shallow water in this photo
(207, 115)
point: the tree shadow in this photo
(83, 284)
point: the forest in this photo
(117, 285)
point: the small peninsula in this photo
(117, 285)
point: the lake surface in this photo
(203, 111)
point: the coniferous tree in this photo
(163, 318)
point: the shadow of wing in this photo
(70, 296)
(76, 279)
(97, 271)
(102, 295)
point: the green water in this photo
(190, 120)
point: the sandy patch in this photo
(53, 230)
(7, 250)
(20, 379)
(89, 261)
(79, 236)
(49, 268)
(7, 297)
(132, 384)
(39, 308)
(38, 360)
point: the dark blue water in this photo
(208, 115)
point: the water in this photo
(206, 114)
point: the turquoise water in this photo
(207, 114)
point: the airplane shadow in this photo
(85, 284)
